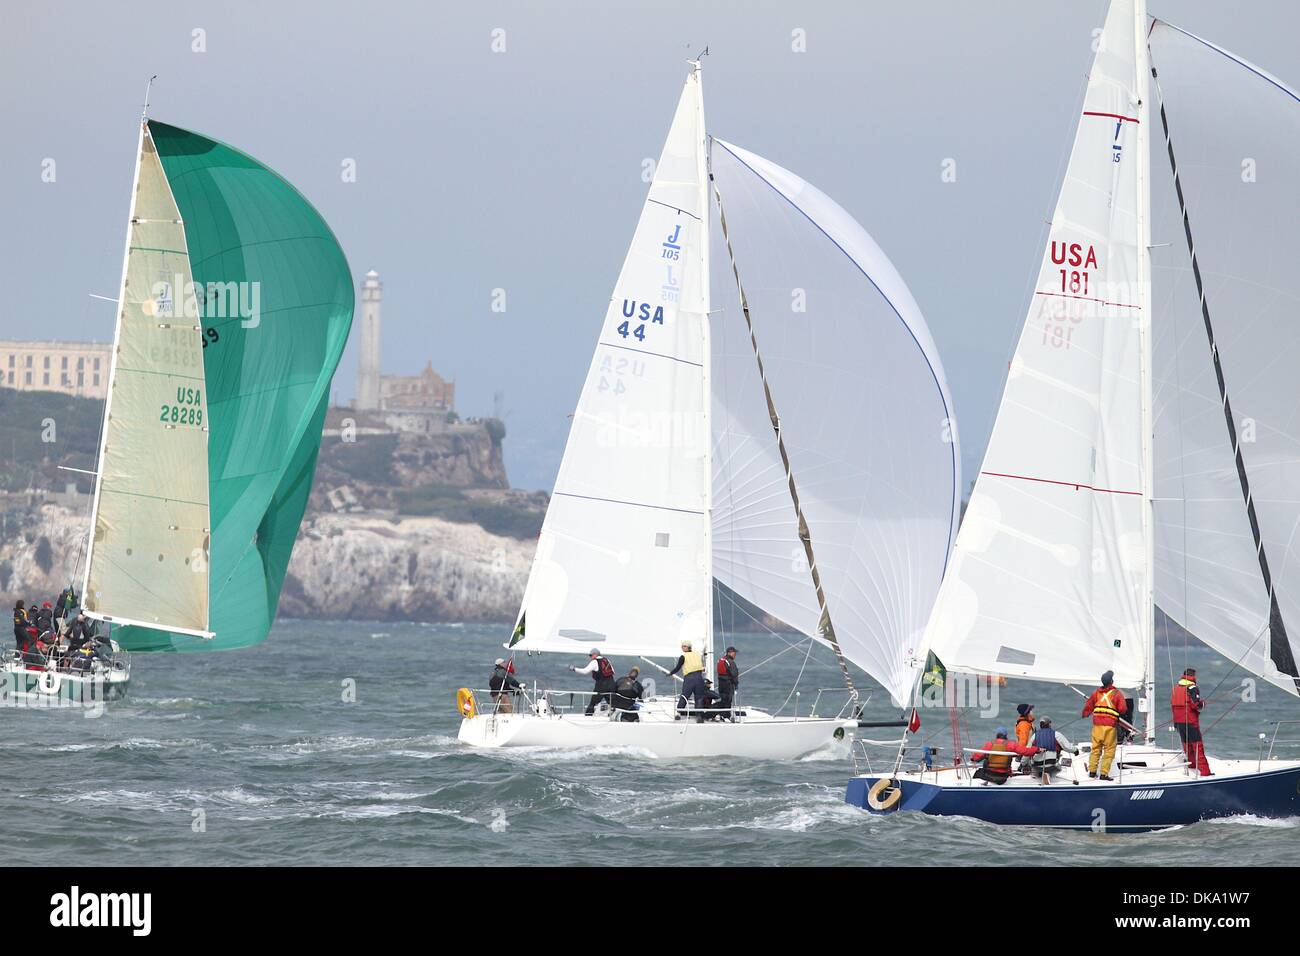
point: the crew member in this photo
(997, 754)
(1024, 723)
(503, 685)
(1050, 743)
(728, 681)
(1106, 706)
(628, 693)
(691, 665)
(602, 672)
(1187, 706)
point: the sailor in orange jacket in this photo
(1106, 706)
(996, 754)
(1187, 706)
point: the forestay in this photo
(1235, 132)
(148, 554)
(865, 416)
(622, 560)
(1049, 579)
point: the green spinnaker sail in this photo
(276, 311)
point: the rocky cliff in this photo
(344, 566)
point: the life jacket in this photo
(691, 662)
(1104, 712)
(1027, 723)
(1184, 707)
(1045, 739)
(604, 669)
(999, 757)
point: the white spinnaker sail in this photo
(1235, 132)
(865, 414)
(148, 555)
(623, 557)
(1049, 579)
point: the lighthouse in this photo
(372, 292)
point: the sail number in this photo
(211, 335)
(1060, 319)
(187, 410)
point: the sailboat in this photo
(1121, 474)
(235, 305)
(780, 426)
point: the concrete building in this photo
(72, 368)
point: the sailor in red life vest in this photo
(602, 672)
(996, 754)
(728, 680)
(1106, 706)
(1187, 706)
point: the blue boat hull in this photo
(1115, 806)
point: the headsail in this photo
(865, 417)
(623, 559)
(1050, 576)
(276, 301)
(147, 562)
(1228, 415)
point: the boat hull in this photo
(22, 687)
(1248, 787)
(757, 735)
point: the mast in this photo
(703, 176)
(1143, 207)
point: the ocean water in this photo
(256, 756)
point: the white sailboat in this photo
(1111, 483)
(765, 407)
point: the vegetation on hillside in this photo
(41, 430)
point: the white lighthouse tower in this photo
(372, 292)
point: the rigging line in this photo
(799, 677)
(1279, 643)
(825, 626)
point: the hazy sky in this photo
(521, 170)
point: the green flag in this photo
(935, 673)
(518, 634)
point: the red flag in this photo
(914, 724)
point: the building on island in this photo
(72, 368)
(409, 403)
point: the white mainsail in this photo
(1050, 578)
(148, 554)
(866, 420)
(1228, 448)
(623, 559)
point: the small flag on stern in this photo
(914, 724)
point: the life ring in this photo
(895, 793)
(465, 703)
(49, 682)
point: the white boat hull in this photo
(756, 735)
(29, 686)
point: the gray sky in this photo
(522, 170)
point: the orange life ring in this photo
(465, 703)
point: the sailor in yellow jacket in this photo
(691, 665)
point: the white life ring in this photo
(890, 799)
(50, 682)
